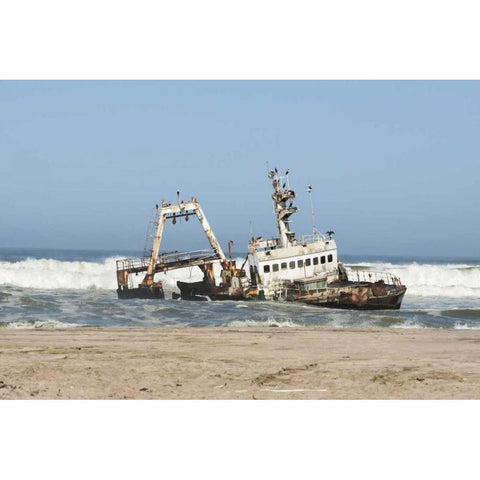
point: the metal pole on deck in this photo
(309, 190)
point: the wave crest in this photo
(52, 274)
(423, 280)
(428, 280)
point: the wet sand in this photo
(247, 363)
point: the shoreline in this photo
(239, 363)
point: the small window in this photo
(323, 260)
(266, 268)
(284, 266)
(275, 267)
(330, 258)
(300, 263)
(292, 265)
(315, 261)
(308, 262)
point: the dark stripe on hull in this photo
(141, 292)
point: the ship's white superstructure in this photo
(276, 262)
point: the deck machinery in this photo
(154, 263)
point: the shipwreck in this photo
(301, 269)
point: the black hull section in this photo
(141, 292)
(202, 291)
(190, 296)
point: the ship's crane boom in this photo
(167, 211)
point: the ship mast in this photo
(281, 195)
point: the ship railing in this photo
(317, 237)
(131, 263)
(259, 244)
(165, 258)
(172, 257)
(372, 276)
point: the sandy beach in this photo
(248, 363)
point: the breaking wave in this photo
(429, 280)
(423, 280)
(52, 274)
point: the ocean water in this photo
(71, 288)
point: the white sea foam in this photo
(55, 274)
(409, 324)
(430, 280)
(40, 324)
(464, 326)
(423, 280)
(270, 322)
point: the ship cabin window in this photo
(266, 268)
(300, 263)
(323, 260)
(308, 262)
(283, 266)
(292, 265)
(330, 258)
(275, 267)
(315, 261)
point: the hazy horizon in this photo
(237, 253)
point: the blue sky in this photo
(394, 166)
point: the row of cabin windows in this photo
(299, 263)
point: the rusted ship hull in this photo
(345, 295)
(355, 297)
